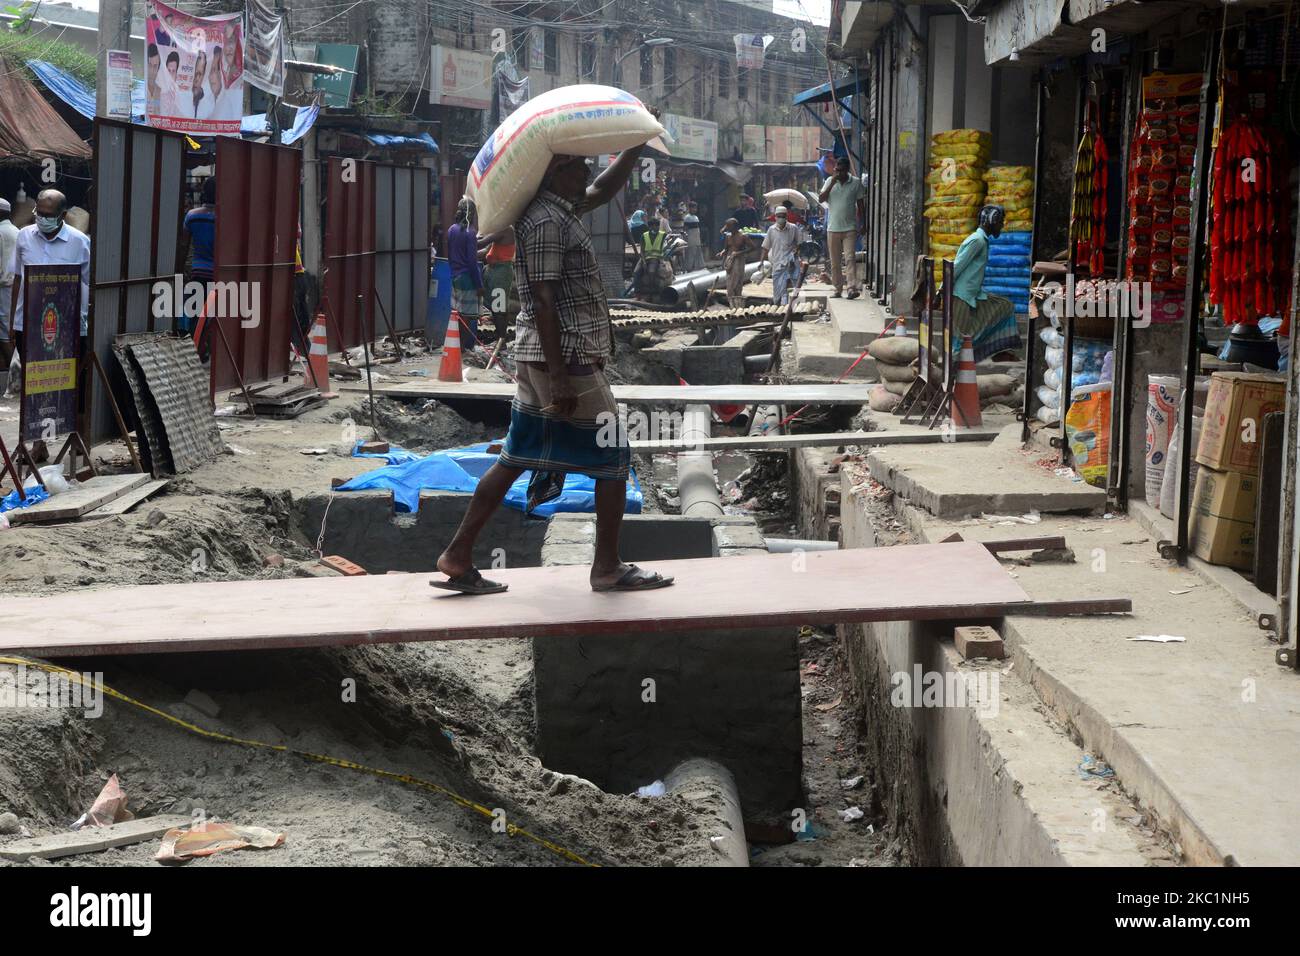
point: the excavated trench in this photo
(461, 719)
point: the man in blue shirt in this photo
(989, 320)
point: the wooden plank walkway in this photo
(910, 582)
(847, 394)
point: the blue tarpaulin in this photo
(423, 141)
(256, 125)
(459, 469)
(82, 99)
(79, 96)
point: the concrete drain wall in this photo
(729, 695)
(363, 527)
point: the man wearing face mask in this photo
(50, 241)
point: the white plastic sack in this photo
(581, 120)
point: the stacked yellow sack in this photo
(1012, 188)
(958, 160)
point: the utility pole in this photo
(114, 34)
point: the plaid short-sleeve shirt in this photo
(552, 244)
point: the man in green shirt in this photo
(989, 320)
(841, 193)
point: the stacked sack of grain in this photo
(896, 364)
(1009, 269)
(958, 159)
(897, 359)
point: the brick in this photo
(374, 448)
(342, 565)
(978, 641)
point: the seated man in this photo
(990, 320)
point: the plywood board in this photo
(654, 394)
(92, 839)
(87, 496)
(124, 503)
(910, 582)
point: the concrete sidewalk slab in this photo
(857, 322)
(815, 355)
(1202, 732)
(960, 479)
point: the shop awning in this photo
(423, 141)
(79, 96)
(822, 94)
(29, 127)
(1034, 31)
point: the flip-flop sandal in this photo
(634, 579)
(471, 582)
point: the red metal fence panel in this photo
(349, 252)
(257, 234)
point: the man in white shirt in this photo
(781, 245)
(8, 249)
(50, 241)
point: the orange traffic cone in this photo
(450, 370)
(966, 390)
(317, 375)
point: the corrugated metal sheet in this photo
(402, 242)
(178, 386)
(257, 233)
(29, 128)
(349, 252)
(139, 179)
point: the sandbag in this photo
(895, 388)
(580, 120)
(894, 349)
(995, 384)
(895, 373)
(883, 400)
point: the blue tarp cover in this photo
(459, 469)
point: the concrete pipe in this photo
(710, 788)
(696, 487)
(790, 545)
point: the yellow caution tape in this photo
(511, 829)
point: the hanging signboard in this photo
(751, 50)
(51, 336)
(792, 144)
(194, 71)
(263, 48)
(119, 84)
(460, 78)
(337, 87)
(692, 138)
(753, 145)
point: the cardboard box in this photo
(1234, 419)
(1222, 528)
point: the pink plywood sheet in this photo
(911, 582)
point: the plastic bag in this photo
(1087, 429)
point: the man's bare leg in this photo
(607, 569)
(458, 558)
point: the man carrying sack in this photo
(563, 340)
